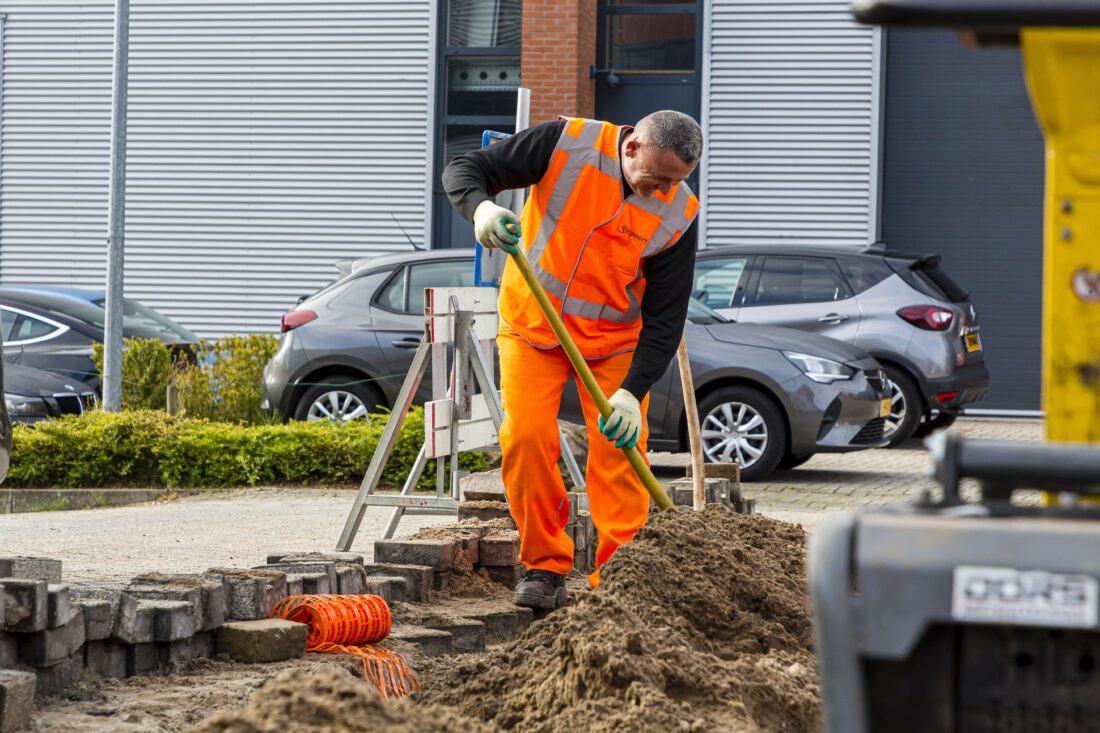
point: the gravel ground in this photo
(191, 534)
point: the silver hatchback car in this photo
(902, 309)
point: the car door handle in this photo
(833, 318)
(409, 343)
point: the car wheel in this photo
(340, 398)
(933, 422)
(792, 460)
(743, 423)
(905, 409)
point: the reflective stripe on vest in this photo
(586, 244)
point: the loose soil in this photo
(701, 624)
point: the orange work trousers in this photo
(531, 383)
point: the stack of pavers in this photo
(722, 482)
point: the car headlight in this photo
(820, 369)
(22, 406)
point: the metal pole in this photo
(116, 215)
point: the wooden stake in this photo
(695, 438)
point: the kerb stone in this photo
(190, 596)
(351, 579)
(484, 486)
(31, 568)
(429, 642)
(16, 700)
(303, 568)
(53, 646)
(266, 640)
(315, 584)
(499, 550)
(105, 658)
(296, 557)
(26, 608)
(57, 605)
(247, 593)
(438, 554)
(98, 618)
(418, 578)
(215, 594)
(54, 679)
(141, 659)
(172, 620)
(389, 589)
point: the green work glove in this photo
(624, 426)
(496, 227)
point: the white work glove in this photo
(625, 423)
(490, 222)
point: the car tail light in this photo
(928, 317)
(293, 319)
(945, 397)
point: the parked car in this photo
(903, 309)
(5, 428)
(33, 395)
(54, 328)
(769, 397)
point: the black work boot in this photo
(541, 589)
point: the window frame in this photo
(738, 297)
(750, 299)
(376, 301)
(59, 329)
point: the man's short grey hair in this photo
(675, 131)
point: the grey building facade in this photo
(269, 140)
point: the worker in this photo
(608, 229)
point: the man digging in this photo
(608, 229)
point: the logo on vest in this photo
(624, 229)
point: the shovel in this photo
(585, 374)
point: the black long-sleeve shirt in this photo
(521, 161)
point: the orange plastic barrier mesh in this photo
(352, 625)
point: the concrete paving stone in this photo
(315, 584)
(484, 511)
(468, 635)
(9, 650)
(728, 471)
(105, 659)
(302, 556)
(524, 618)
(266, 640)
(215, 593)
(58, 605)
(294, 585)
(303, 568)
(204, 644)
(499, 625)
(191, 596)
(483, 486)
(53, 646)
(130, 623)
(508, 576)
(53, 680)
(141, 659)
(418, 578)
(16, 700)
(26, 606)
(173, 620)
(389, 589)
(441, 581)
(470, 543)
(31, 568)
(351, 579)
(439, 554)
(429, 642)
(174, 654)
(499, 550)
(274, 588)
(247, 592)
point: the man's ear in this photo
(630, 147)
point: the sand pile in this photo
(332, 701)
(701, 624)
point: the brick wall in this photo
(559, 45)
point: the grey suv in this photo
(902, 309)
(770, 397)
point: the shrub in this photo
(225, 383)
(146, 368)
(149, 448)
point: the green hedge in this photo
(149, 448)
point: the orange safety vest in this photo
(586, 244)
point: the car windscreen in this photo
(136, 315)
(926, 275)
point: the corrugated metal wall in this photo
(266, 141)
(790, 109)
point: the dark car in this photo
(903, 309)
(54, 328)
(768, 397)
(33, 395)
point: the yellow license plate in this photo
(885, 407)
(973, 343)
